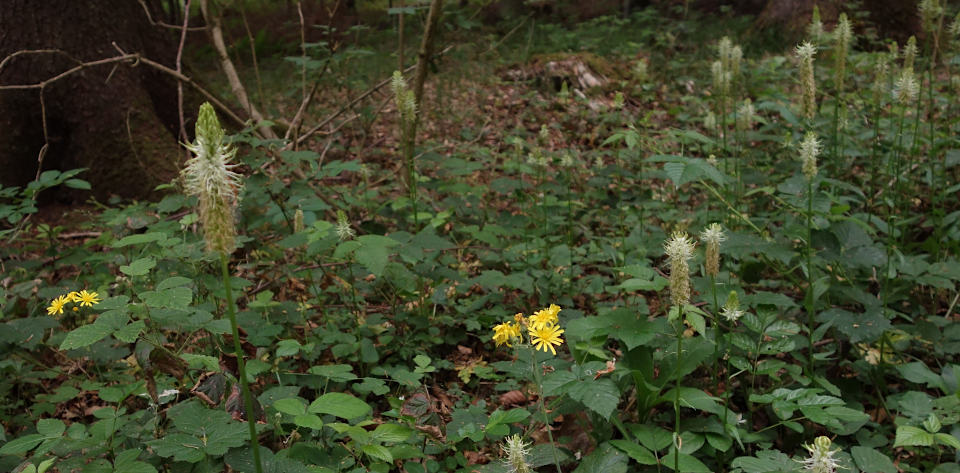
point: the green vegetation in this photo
(720, 260)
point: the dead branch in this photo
(216, 37)
(183, 40)
(146, 10)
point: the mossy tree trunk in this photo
(118, 121)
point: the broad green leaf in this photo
(89, 334)
(138, 267)
(341, 405)
(909, 436)
(173, 298)
(948, 440)
(377, 452)
(391, 433)
(310, 421)
(140, 239)
(605, 458)
(687, 463)
(172, 282)
(600, 396)
(334, 372)
(51, 428)
(872, 461)
(638, 453)
(291, 405)
(507, 417)
(21, 444)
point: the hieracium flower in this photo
(821, 459)
(515, 450)
(82, 298)
(712, 236)
(679, 250)
(505, 333)
(843, 36)
(209, 176)
(809, 150)
(808, 105)
(542, 327)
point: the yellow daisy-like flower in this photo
(545, 317)
(504, 332)
(72, 296)
(545, 337)
(56, 305)
(86, 299)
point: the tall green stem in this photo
(538, 378)
(809, 298)
(241, 365)
(676, 393)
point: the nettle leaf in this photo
(605, 458)
(910, 436)
(334, 372)
(872, 461)
(200, 431)
(87, 335)
(600, 395)
(138, 267)
(374, 252)
(173, 298)
(341, 405)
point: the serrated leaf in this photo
(391, 433)
(140, 239)
(334, 372)
(869, 460)
(130, 332)
(638, 453)
(138, 267)
(600, 396)
(341, 405)
(605, 458)
(21, 444)
(310, 421)
(909, 436)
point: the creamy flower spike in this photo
(821, 459)
(712, 236)
(679, 250)
(210, 177)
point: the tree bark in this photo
(119, 122)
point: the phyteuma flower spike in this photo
(209, 175)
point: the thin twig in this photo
(167, 25)
(253, 54)
(179, 63)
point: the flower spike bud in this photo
(910, 52)
(210, 177)
(815, 29)
(843, 36)
(679, 250)
(711, 237)
(805, 53)
(821, 459)
(731, 309)
(809, 150)
(516, 452)
(344, 231)
(906, 88)
(745, 115)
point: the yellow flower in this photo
(72, 296)
(519, 319)
(545, 337)
(56, 305)
(504, 332)
(86, 299)
(545, 317)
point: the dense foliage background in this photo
(382, 239)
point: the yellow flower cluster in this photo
(83, 298)
(542, 328)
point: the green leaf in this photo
(341, 405)
(86, 335)
(291, 405)
(172, 282)
(687, 463)
(129, 333)
(872, 461)
(138, 267)
(173, 298)
(21, 444)
(126, 462)
(181, 447)
(948, 440)
(507, 417)
(606, 459)
(391, 433)
(334, 372)
(374, 252)
(909, 436)
(140, 239)
(310, 421)
(378, 452)
(639, 454)
(51, 428)
(600, 396)
(205, 362)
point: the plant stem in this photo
(809, 298)
(241, 366)
(676, 393)
(538, 378)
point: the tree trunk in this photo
(118, 121)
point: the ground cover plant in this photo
(610, 246)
